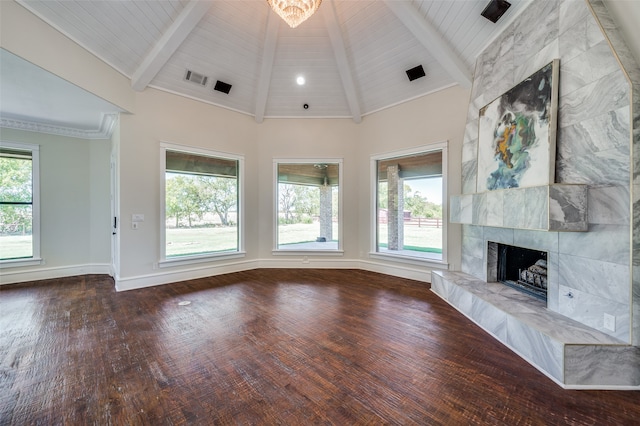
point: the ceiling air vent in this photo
(223, 87)
(415, 72)
(495, 9)
(195, 77)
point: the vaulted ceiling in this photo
(353, 54)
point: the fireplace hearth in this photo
(521, 268)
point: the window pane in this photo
(201, 210)
(15, 178)
(308, 206)
(16, 227)
(409, 200)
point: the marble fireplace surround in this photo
(571, 354)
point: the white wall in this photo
(438, 117)
(74, 206)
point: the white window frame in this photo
(35, 259)
(402, 258)
(206, 257)
(330, 252)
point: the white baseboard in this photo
(36, 274)
(194, 272)
(167, 276)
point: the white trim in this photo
(190, 260)
(443, 147)
(17, 263)
(35, 197)
(276, 203)
(310, 252)
(104, 132)
(183, 260)
(412, 260)
(13, 277)
(169, 277)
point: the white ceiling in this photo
(353, 53)
(35, 99)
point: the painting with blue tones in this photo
(517, 132)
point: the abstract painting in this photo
(517, 134)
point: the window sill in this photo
(281, 252)
(412, 260)
(188, 260)
(17, 263)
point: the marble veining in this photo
(589, 310)
(605, 243)
(536, 212)
(609, 93)
(571, 13)
(494, 201)
(602, 365)
(587, 67)
(609, 205)
(595, 277)
(469, 170)
(568, 207)
(537, 347)
(597, 134)
(538, 26)
(610, 167)
(513, 209)
(537, 240)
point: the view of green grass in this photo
(419, 239)
(189, 241)
(301, 233)
(15, 246)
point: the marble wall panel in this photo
(494, 69)
(609, 205)
(601, 279)
(537, 240)
(499, 235)
(609, 93)
(471, 131)
(474, 266)
(470, 151)
(571, 13)
(480, 208)
(537, 61)
(537, 27)
(494, 200)
(610, 167)
(536, 212)
(472, 246)
(461, 299)
(605, 243)
(473, 231)
(568, 207)
(589, 310)
(597, 134)
(587, 67)
(513, 208)
(553, 281)
(636, 225)
(536, 347)
(635, 313)
(602, 365)
(454, 209)
(573, 41)
(469, 170)
(492, 261)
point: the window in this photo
(308, 205)
(19, 204)
(201, 203)
(409, 209)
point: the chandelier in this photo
(294, 12)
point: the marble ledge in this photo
(555, 207)
(572, 354)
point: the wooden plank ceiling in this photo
(352, 53)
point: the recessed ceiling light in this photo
(300, 80)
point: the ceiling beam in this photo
(169, 43)
(266, 67)
(431, 39)
(340, 53)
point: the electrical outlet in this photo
(134, 225)
(609, 322)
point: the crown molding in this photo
(104, 132)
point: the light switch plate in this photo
(137, 217)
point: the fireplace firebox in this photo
(523, 269)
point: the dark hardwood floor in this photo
(291, 347)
